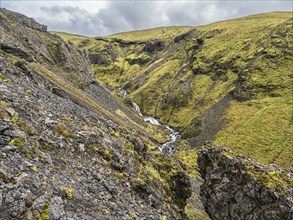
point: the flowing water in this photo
(167, 147)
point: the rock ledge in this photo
(241, 188)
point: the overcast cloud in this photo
(99, 18)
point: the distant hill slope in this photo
(229, 82)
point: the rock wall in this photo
(241, 188)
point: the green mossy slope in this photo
(229, 82)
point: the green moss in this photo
(26, 127)
(122, 175)
(18, 141)
(42, 215)
(29, 91)
(155, 33)
(15, 117)
(74, 38)
(44, 212)
(26, 216)
(101, 150)
(65, 131)
(34, 168)
(138, 182)
(260, 129)
(188, 157)
(194, 213)
(271, 179)
(68, 192)
(5, 178)
(115, 133)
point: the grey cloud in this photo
(70, 19)
(118, 16)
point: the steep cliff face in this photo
(241, 188)
(31, 48)
(69, 149)
(229, 82)
(24, 38)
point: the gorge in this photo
(167, 123)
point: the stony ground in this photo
(65, 152)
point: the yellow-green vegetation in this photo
(78, 40)
(70, 37)
(180, 75)
(115, 133)
(188, 157)
(194, 213)
(261, 129)
(148, 34)
(138, 182)
(68, 192)
(102, 150)
(26, 127)
(43, 214)
(165, 173)
(271, 179)
(34, 168)
(64, 130)
(157, 133)
(18, 141)
(1, 77)
(4, 178)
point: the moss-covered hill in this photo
(229, 82)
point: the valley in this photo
(166, 123)
(216, 82)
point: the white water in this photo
(137, 108)
(122, 91)
(166, 147)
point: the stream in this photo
(166, 147)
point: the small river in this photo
(167, 147)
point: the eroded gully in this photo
(167, 147)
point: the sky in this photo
(101, 18)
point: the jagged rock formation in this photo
(32, 48)
(69, 149)
(241, 188)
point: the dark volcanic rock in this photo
(241, 188)
(152, 46)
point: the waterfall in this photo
(167, 146)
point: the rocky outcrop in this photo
(62, 154)
(23, 37)
(241, 188)
(27, 44)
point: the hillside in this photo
(229, 82)
(74, 144)
(69, 147)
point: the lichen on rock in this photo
(236, 187)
